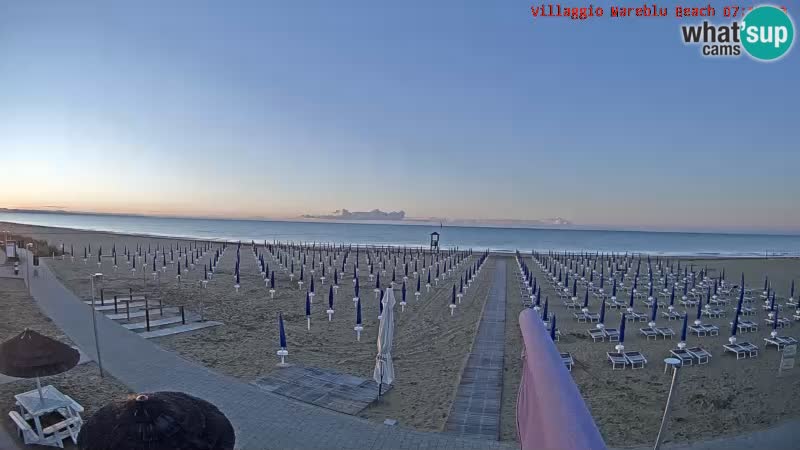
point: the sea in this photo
(418, 235)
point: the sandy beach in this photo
(725, 397)
(431, 346)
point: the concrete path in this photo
(262, 420)
(476, 410)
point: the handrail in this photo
(551, 413)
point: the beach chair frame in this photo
(636, 359)
(617, 359)
(701, 354)
(649, 332)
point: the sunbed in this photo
(701, 354)
(596, 334)
(682, 354)
(713, 312)
(665, 332)
(612, 334)
(636, 360)
(617, 359)
(566, 358)
(649, 332)
(780, 342)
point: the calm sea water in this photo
(497, 239)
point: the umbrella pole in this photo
(380, 385)
(670, 398)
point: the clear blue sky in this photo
(467, 109)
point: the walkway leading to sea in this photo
(476, 410)
(262, 420)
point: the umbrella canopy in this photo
(622, 329)
(603, 312)
(384, 368)
(31, 355)
(158, 420)
(553, 328)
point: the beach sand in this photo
(83, 382)
(725, 397)
(430, 346)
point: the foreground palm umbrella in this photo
(32, 355)
(159, 420)
(384, 368)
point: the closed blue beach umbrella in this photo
(622, 329)
(544, 310)
(654, 312)
(685, 325)
(281, 331)
(553, 328)
(603, 312)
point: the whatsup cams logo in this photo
(766, 34)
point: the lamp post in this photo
(99, 277)
(675, 364)
(29, 247)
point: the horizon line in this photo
(480, 223)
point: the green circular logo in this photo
(767, 33)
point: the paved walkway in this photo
(476, 410)
(261, 419)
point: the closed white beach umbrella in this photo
(384, 369)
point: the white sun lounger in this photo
(649, 332)
(713, 312)
(671, 315)
(617, 359)
(636, 360)
(682, 354)
(580, 316)
(742, 350)
(780, 342)
(612, 334)
(782, 321)
(570, 304)
(665, 332)
(701, 354)
(596, 335)
(566, 358)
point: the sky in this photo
(456, 109)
